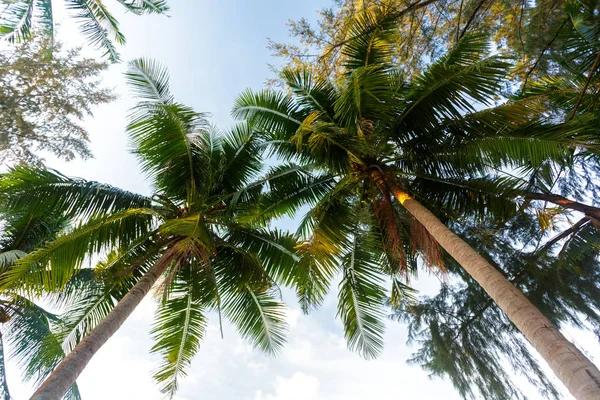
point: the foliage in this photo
(201, 223)
(442, 133)
(532, 31)
(43, 99)
(20, 19)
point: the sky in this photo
(214, 50)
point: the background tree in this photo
(460, 334)
(43, 99)
(531, 31)
(19, 18)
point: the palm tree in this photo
(378, 137)
(197, 233)
(100, 28)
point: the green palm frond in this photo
(16, 21)
(371, 33)
(258, 316)
(149, 81)
(290, 187)
(46, 19)
(4, 391)
(326, 229)
(453, 84)
(361, 297)
(367, 95)
(162, 139)
(46, 192)
(178, 331)
(65, 255)
(145, 6)
(311, 92)
(242, 152)
(8, 258)
(98, 25)
(274, 248)
(170, 139)
(33, 344)
(270, 112)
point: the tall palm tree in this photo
(197, 234)
(378, 137)
(19, 17)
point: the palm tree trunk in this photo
(576, 371)
(65, 374)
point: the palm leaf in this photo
(36, 191)
(258, 316)
(361, 298)
(178, 331)
(98, 25)
(67, 252)
(16, 21)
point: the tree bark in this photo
(577, 372)
(65, 374)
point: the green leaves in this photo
(371, 33)
(451, 86)
(149, 81)
(17, 19)
(361, 297)
(259, 317)
(178, 331)
(36, 191)
(98, 25)
(67, 252)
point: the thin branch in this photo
(458, 20)
(587, 83)
(544, 50)
(464, 31)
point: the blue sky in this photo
(214, 50)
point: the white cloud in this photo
(299, 387)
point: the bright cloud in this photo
(298, 387)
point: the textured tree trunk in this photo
(576, 371)
(65, 374)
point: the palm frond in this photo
(259, 317)
(44, 192)
(145, 6)
(273, 113)
(453, 84)
(371, 35)
(275, 249)
(98, 25)
(149, 81)
(178, 331)
(33, 344)
(361, 297)
(16, 21)
(4, 392)
(65, 255)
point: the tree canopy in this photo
(43, 100)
